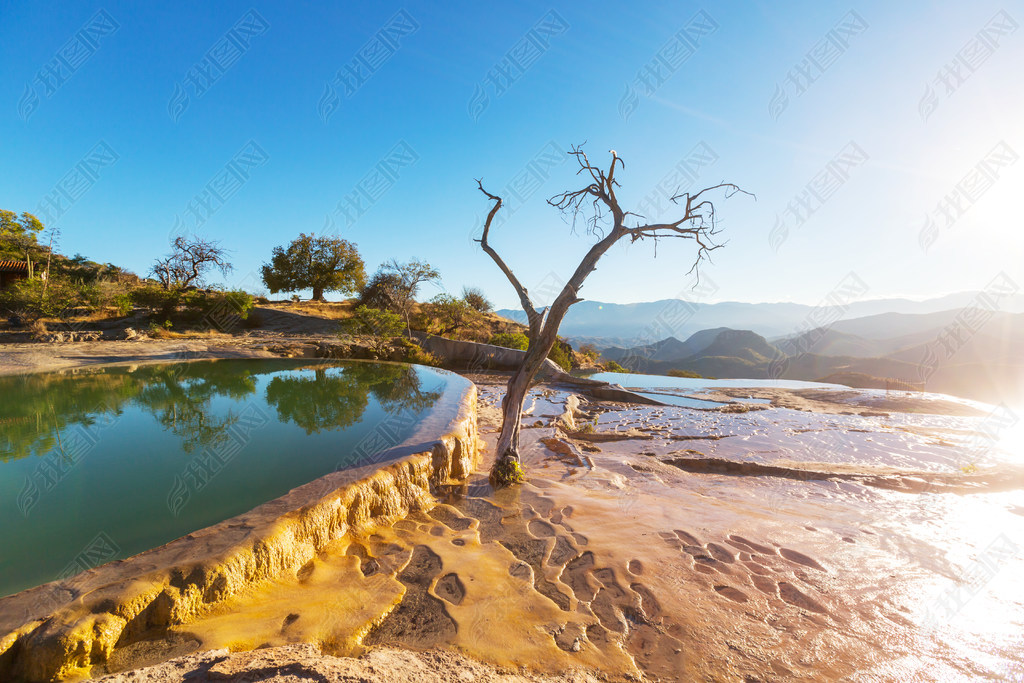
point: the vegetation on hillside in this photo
(178, 298)
(322, 264)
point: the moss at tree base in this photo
(507, 472)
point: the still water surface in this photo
(104, 464)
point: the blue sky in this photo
(873, 129)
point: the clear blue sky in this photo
(870, 92)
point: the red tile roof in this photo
(13, 266)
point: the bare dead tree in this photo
(189, 261)
(598, 207)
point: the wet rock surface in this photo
(302, 663)
(624, 566)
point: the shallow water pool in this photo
(97, 465)
(627, 379)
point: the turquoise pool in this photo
(101, 464)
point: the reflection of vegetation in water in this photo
(37, 410)
(338, 399)
(182, 406)
(40, 413)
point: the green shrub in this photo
(218, 308)
(510, 340)
(612, 366)
(30, 300)
(560, 355)
(507, 472)
(157, 300)
(214, 308)
(414, 353)
(157, 330)
(123, 301)
(375, 322)
(98, 293)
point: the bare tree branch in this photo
(532, 314)
(597, 204)
(189, 261)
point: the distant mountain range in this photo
(645, 323)
(978, 356)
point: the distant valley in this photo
(974, 353)
(647, 322)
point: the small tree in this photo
(189, 262)
(451, 314)
(18, 237)
(383, 291)
(607, 221)
(589, 351)
(477, 300)
(322, 264)
(382, 325)
(408, 277)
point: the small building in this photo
(11, 271)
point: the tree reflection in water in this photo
(335, 398)
(182, 405)
(36, 409)
(39, 412)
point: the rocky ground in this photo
(615, 563)
(752, 542)
(301, 663)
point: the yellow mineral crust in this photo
(62, 630)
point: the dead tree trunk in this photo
(515, 396)
(607, 220)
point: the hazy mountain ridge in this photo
(631, 325)
(986, 364)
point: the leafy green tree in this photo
(18, 235)
(451, 314)
(323, 264)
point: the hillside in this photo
(668, 349)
